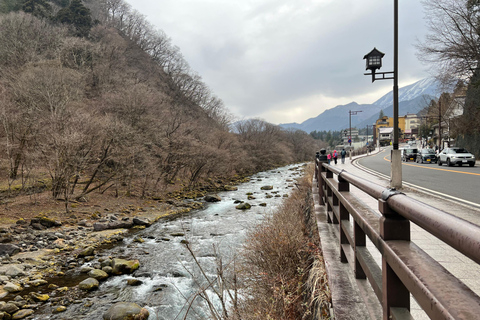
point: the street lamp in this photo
(350, 112)
(374, 62)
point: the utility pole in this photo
(439, 125)
(350, 113)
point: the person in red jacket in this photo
(335, 156)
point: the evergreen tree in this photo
(381, 115)
(7, 6)
(39, 8)
(77, 15)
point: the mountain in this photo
(412, 99)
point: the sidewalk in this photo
(460, 266)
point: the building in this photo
(412, 125)
(385, 136)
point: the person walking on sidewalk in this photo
(343, 154)
(335, 156)
(329, 157)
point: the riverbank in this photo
(53, 244)
(41, 245)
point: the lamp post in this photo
(374, 61)
(350, 113)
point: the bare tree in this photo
(453, 45)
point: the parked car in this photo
(453, 156)
(409, 154)
(426, 155)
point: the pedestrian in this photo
(342, 154)
(335, 156)
(329, 157)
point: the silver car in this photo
(453, 156)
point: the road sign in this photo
(349, 140)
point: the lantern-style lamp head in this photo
(374, 60)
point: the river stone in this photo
(212, 198)
(37, 282)
(39, 297)
(134, 282)
(89, 284)
(46, 222)
(123, 224)
(141, 222)
(85, 269)
(122, 266)
(243, 206)
(8, 248)
(107, 269)
(98, 274)
(9, 307)
(267, 188)
(22, 314)
(106, 262)
(230, 188)
(59, 309)
(126, 311)
(12, 287)
(88, 251)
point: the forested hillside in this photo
(95, 99)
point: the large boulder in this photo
(142, 221)
(98, 274)
(122, 266)
(243, 206)
(118, 224)
(212, 198)
(8, 248)
(46, 222)
(89, 284)
(126, 311)
(20, 314)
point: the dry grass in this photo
(284, 272)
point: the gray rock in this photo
(13, 270)
(12, 287)
(243, 206)
(9, 308)
(8, 248)
(98, 274)
(123, 224)
(122, 266)
(89, 284)
(141, 222)
(212, 198)
(126, 310)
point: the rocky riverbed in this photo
(48, 267)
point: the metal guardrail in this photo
(406, 269)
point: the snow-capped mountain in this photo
(428, 86)
(412, 99)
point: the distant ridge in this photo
(412, 99)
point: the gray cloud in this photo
(288, 61)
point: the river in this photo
(168, 280)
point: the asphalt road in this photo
(458, 182)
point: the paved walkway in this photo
(456, 263)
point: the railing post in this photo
(344, 215)
(322, 158)
(392, 227)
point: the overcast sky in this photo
(289, 60)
